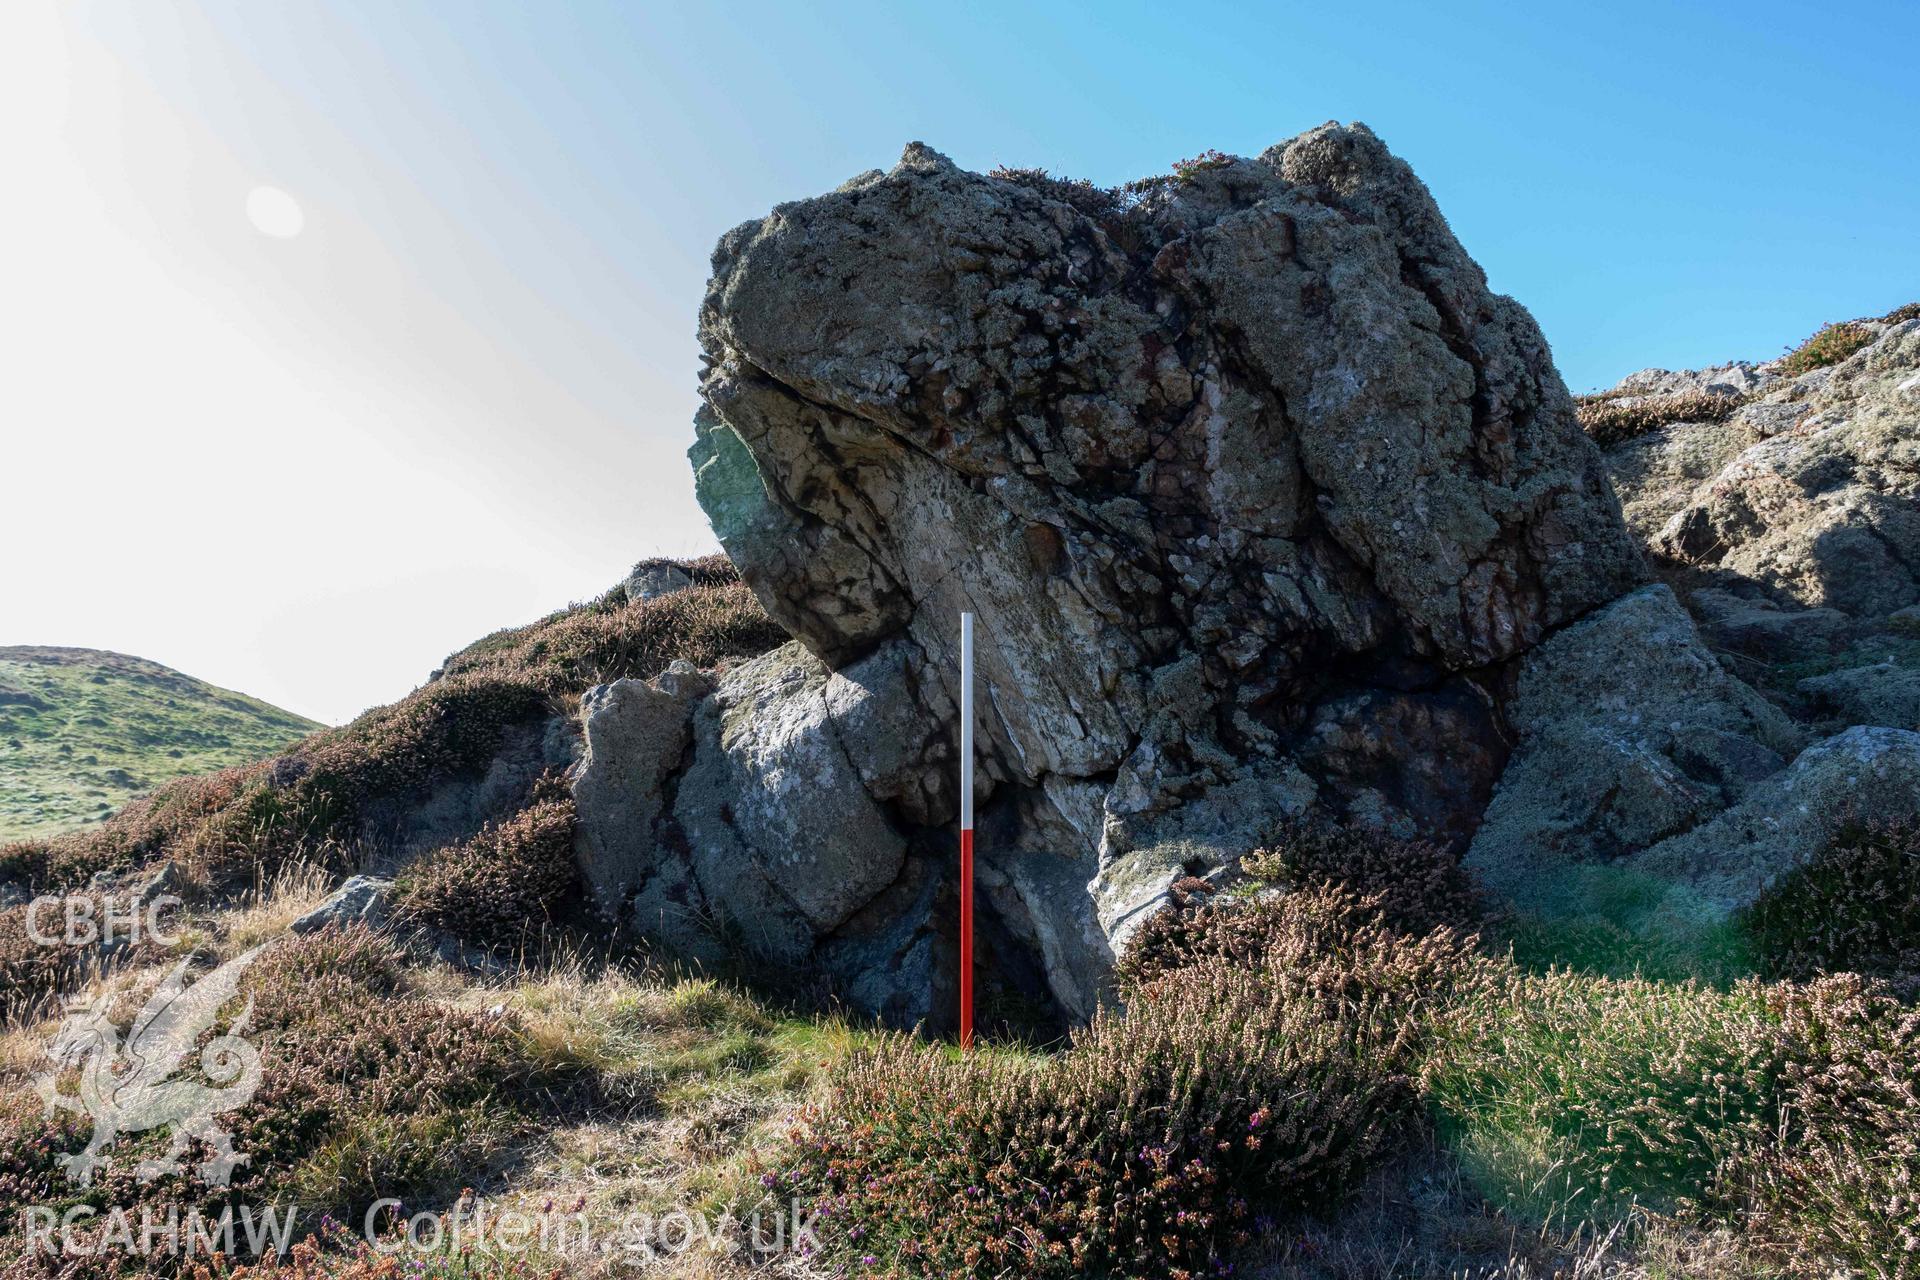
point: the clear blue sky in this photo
(1660, 183)
(461, 395)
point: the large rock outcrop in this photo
(1264, 503)
(1255, 488)
(1629, 732)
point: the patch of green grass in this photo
(1566, 1093)
(1611, 923)
(82, 732)
(653, 1046)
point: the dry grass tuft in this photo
(269, 909)
(1610, 419)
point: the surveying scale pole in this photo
(966, 830)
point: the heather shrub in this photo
(30, 970)
(1322, 935)
(306, 805)
(1854, 907)
(1416, 886)
(1613, 420)
(1842, 1183)
(595, 643)
(1563, 1091)
(706, 571)
(367, 1088)
(1829, 345)
(504, 887)
(1147, 1145)
(1192, 167)
(338, 1252)
(449, 727)
(1096, 202)
(29, 1139)
(354, 959)
(138, 832)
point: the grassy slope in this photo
(83, 731)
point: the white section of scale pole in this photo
(966, 722)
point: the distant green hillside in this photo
(82, 732)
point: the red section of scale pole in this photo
(966, 939)
(966, 831)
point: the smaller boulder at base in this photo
(361, 900)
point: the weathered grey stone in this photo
(896, 956)
(1883, 694)
(1048, 905)
(782, 841)
(797, 803)
(460, 806)
(651, 579)
(361, 900)
(1762, 629)
(636, 736)
(897, 735)
(1143, 852)
(1389, 499)
(1185, 463)
(1038, 860)
(1823, 514)
(1630, 732)
(1740, 378)
(1724, 865)
(167, 880)
(1657, 474)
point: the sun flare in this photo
(275, 213)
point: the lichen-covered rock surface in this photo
(1629, 732)
(1256, 491)
(1791, 525)
(1788, 522)
(1818, 510)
